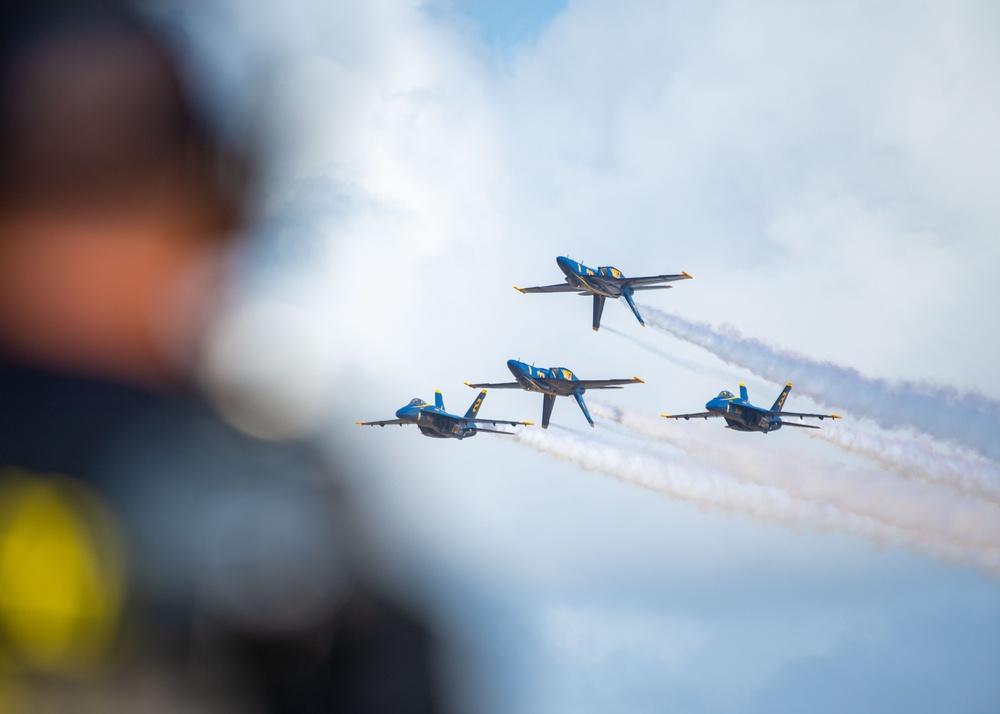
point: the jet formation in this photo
(600, 283)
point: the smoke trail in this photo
(683, 363)
(965, 418)
(568, 430)
(922, 510)
(605, 436)
(916, 460)
(710, 489)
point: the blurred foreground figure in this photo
(152, 558)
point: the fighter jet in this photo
(552, 383)
(741, 415)
(602, 283)
(435, 422)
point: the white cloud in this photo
(827, 172)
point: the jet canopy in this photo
(609, 271)
(562, 372)
(416, 402)
(725, 394)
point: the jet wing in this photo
(604, 383)
(560, 288)
(650, 279)
(699, 415)
(800, 416)
(800, 426)
(495, 385)
(387, 422)
(496, 422)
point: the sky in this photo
(826, 172)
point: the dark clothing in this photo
(56, 423)
(243, 578)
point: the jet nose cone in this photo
(569, 267)
(514, 366)
(401, 412)
(566, 265)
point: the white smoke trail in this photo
(914, 459)
(965, 418)
(922, 510)
(682, 363)
(711, 489)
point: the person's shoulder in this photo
(91, 427)
(56, 421)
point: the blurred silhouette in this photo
(152, 557)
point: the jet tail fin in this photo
(627, 294)
(438, 399)
(780, 401)
(598, 310)
(548, 401)
(744, 395)
(583, 407)
(474, 409)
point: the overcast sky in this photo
(828, 172)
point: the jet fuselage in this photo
(740, 415)
(434, 422)
(559, 380)
(605, 281)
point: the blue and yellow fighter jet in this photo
(602, 283)
(552, 383)
(434, 421)
(741, 415)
